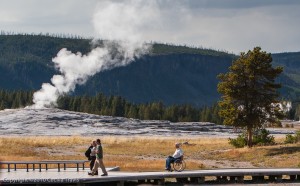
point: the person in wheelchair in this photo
(176, 156)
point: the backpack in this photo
(87, 153)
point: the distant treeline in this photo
(160, 48)
(15, 99)
(55, 35)
(117, 106)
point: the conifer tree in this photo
(249, 92)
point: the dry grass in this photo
(149, 153)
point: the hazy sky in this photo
(231, 25)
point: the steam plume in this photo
(120, 25)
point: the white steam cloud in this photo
(120, 24)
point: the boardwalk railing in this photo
(46, 163)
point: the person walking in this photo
(99, 160)
(93, 156)
(90, 153)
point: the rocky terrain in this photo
(31, 122)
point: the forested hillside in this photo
(290, 78)
(25, 60)
(170, 74)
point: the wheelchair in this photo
(179, 164)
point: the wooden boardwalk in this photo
(72, 176)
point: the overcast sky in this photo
(230, 25)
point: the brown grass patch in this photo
(149, 153)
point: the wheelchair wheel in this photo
(179, 165)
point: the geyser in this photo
(119, 25)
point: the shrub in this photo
(238, 142)
(289, 139)
(260, 137)
(297, 135)
(289, 126)
(292, 138)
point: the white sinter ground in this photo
(56, 122)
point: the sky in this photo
(229, 25)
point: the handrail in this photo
(46, 162)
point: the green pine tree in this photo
(249, 92)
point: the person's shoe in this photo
(91, 173)
(104, 174)
(96, 173)
(167, 169)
